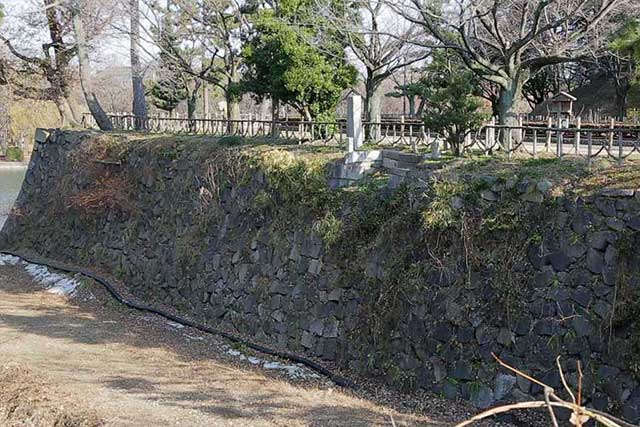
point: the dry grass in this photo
(28, 400)
(567, 174)
(108, 192)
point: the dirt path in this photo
(137, 370)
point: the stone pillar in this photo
(355, 134)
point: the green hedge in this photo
(14, 154)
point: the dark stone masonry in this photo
(289, 289)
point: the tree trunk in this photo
(420, 107)
(205, 101)
(623, 86)
(507, 114)
(67, 118)
(103, 121)
(192, 105)
(412, 106)
(57, 73)
(233, 107)
(230, 97)
(275, 116)
(373, 105)
(621, 105)
(507, 110)
(140, 110)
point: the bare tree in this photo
(27, 70)
(140, 110)
(86, 79)
(622, 70)
(220, 21)
(5, 119)
(381, 41)
(204, 47)
(46, 71)
(506, 42)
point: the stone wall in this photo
(385, 307)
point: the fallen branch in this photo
(579, 414)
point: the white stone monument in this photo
(355, 133)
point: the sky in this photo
(112, 50)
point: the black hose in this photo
(337, 379)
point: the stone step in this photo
(351, 171)
(402, 156)
(391, 163)
(398, 171)
(363, 156)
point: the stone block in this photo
(389, 163)
(595, 261)
(315, 266)
(634, 223)
(463, 371)
(600, 239)
(581, 326)
(560, 261)
(369, 156)
(316, 327)
(42, 135)
(617, 192)
(307, 340)
(401, 156)
(482, 397)
(503, 385)
(533, 197)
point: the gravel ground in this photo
(137, 369)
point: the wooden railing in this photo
(614, 143)
(301, 131)
(617, 143)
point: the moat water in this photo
(10, 182)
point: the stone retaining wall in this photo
(287, 287)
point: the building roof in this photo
(596, 97)
(562, 96)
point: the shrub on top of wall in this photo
(14, 154)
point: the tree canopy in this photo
(282, 64)
(508, 42)
(452, 105)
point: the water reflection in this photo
(10, 181)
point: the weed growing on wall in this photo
(329, 228)
(625, 313)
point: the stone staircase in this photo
(401, 167)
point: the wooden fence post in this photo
(520, 133)
(612, 125)
(435, 145)
(620, 151)
(559, 141)
(549, 126)
(577, 139)
(589, 148)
